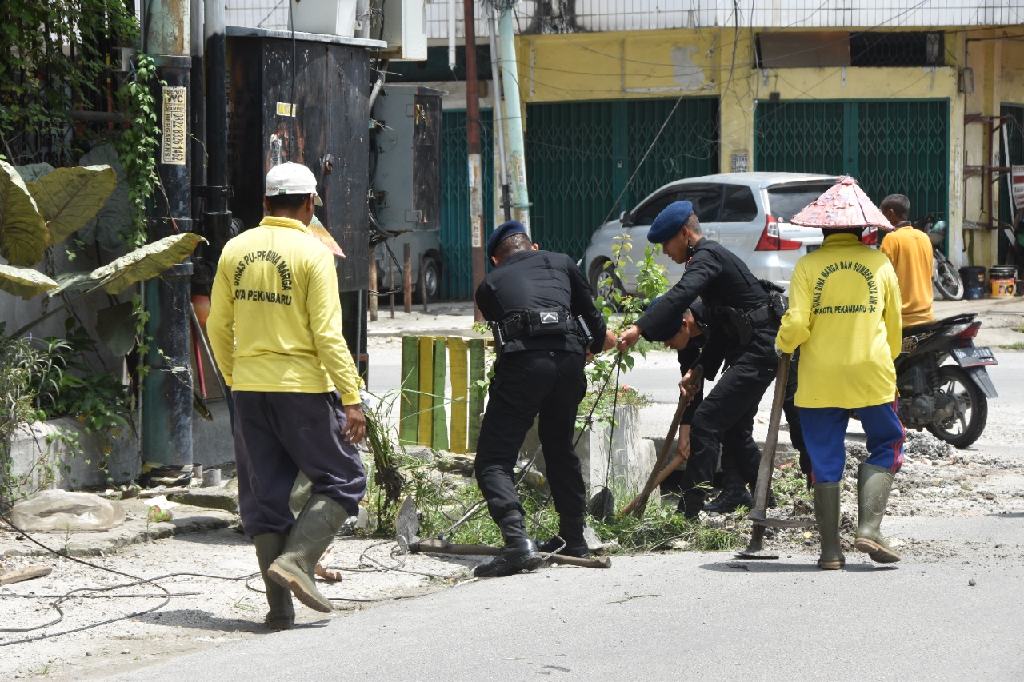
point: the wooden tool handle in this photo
(764, 472)
(442, 547)
(639, 503)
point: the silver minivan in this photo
(747, 212)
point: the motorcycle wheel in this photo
(972, 408)
(947, 280)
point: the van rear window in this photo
(785, 201)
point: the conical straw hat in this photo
(842, 206)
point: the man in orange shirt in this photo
(910, 252)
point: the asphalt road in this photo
(668, 617)
(956, 612)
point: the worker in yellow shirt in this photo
(910, 251)
(844, 316)
(275, 331)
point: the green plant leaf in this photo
(71, 197)
(33, 171)
(145, 262)
(24, 282)
(116, 327)
(72, 281)
(114, 220)
(23, 235)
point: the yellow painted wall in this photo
(669, 63)
(594, 66)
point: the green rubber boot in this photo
(282, 614)
(873, 485)
(313, 531)
(826, 512)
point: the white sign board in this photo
(174, 125)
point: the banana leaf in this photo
(23, 234)
(70, 197)
(115, 218)
(24, 282)
(146, 262)
(33, 171)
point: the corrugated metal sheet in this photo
(646, 15)
(630, 15)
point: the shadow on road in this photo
(1007, 515)
(771, 566)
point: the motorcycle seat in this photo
(962, 318)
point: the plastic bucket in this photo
(334, 17)
(1002, 281)
(974, 282)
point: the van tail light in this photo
(771, 241)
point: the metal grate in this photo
(580, 155)
(457, 268)
(897, 49)
(900, 146)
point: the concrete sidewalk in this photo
(1001, 318)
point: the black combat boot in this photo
(519, 553)
(570, 540)
(729, 500)
(692, 503)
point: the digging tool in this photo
(407, 529)
(755, 548)
(639, 503)
(443, 547)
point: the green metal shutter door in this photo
(903, 149)
(456, 252)
(580, 155)
(890, 147)
(799, 137)
(569, 170)
(688, 146)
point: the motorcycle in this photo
(949, 400)
(945, 277)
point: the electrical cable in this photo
(75, 593)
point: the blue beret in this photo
(505, 230)
(669, 221)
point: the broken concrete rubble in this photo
(59, 510)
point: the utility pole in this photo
(217, 219)
(505, 203)
(476, 196)
(167, 388)
(513, 114)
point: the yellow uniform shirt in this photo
(910, 252)
(275, 314)
(844, 315)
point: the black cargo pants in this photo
(529, 384)
(725, 419)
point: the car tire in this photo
(429, 280)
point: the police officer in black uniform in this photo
(743, 317)
(544, 322)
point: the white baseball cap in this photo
(292, 178)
